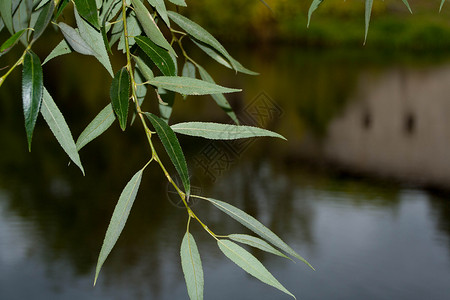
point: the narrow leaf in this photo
(314, 5)
(256, 242)
(178, 2)
(40, 4)
(368, 12)
(221, 60)
(200, 34)
(9, 43)
(118, 219)
(160, 57)
(188, 70)
(165, 108)
(61, 6)
(250, 264)
(95, 40)
(75, 40)
(407, 5)
(189, 86)
(220, 99)
(192, 267)
(59, 127)
(150, 27)
(6, 14)
(44, 18)
(173, 148)
(216, 131)
(88, 10)
(134, 29)
(32, 88)
(120, 91)
(61, 49)
(97, 126)
(442, 4)
(255, 226)
(161, 9)
(141, 90)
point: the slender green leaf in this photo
(9, 43)
(160, 7)
(22, 18)
(200, 34)
(88, 10)
(221, 60)
(189, 86)
(407, 5)
(220, 99)
(192, 267)
(250, 264)
(61, 49)
(6, 14)
(256, 242)
(118, 219)
(97, 126)
(150, 27)
(178, 2)
(141, 90)
(255, 226)
(368, 12)
(160, 57)
(95, 40)
(216, 131)
(75, 40)
(442, 4)
(314, 5)
(59, 127)
(61, 6)
(32, 89)
(44, 18)
(144, 68)
(120, 92)
(134, 29)
(2, 25)
(173, 148)
(40, 4)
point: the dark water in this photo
(360, 189)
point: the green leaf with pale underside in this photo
(6, 14)
(192, 267)
(173, 149)
(160, 57)
(61, 49)
(217, 131)
(75, 40)
(55, 120)
(118, 219)
(250, 264)
(189, 86)
(368, 12)
(255, 226)
(314, 5)
(97, 126)
(88, 10)
(256, 242)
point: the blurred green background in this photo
(335, 23)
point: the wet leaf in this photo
(97, 126)
(192, 267)
(160, 57)
(150, 28)
(189, 86)
(173, 149)
(32, 89)
(119, 93)
(88, 10)
(250, 264)
(55, 120)
(118, 219)
(216, 131)
(255, 226)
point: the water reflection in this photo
(368, 238)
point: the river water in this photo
(361, 188)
